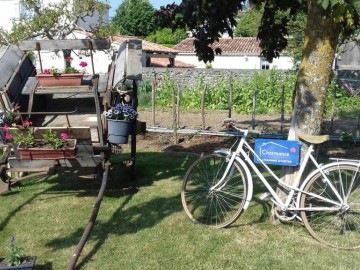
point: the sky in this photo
(155, 3)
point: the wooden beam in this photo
(64, 44)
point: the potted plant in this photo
(33, 143)
(120, 120)
(16, 259)
(7, 119)
(70, 76)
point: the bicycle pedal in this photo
(264, 196)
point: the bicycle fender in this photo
(248, 182)
(311, 175)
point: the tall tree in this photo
(134, 18)
(167, 37)
(327, 21)
(249, 22)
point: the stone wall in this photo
(348, 79)
(189, 76)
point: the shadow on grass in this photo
(151, 167)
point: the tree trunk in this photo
(315, 72)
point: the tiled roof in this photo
(239, 45)
(164, 62)
(147, 46)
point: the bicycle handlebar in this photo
(230, 125)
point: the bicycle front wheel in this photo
(326, 218)
(219, 206)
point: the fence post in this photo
(174, 115)
(178, 106)
(333, 112)
(153, 98)
(203, 106)
(282, 108)
(253, 110)
(230, 96)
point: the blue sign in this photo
(277, 152)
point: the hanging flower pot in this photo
(118, 131)
(120, 118)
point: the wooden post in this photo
(230, 96)
(174, 116)
(133, 134)
(282, 108)
(178, 106)
(203, 106)
(333, 112)
(153, 89)
(253, 110)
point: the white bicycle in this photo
(218, 187)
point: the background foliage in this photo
(268, 86)
(134, 18)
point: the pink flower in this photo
(69, 58)
(64, 135)
(36, 130)
(83, 64)
(8, 136)
(27, 124)
(47, 71)
(6, 128)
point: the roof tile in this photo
(238, 45)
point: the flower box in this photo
(28, 263)
(44, 152)
(64, 79)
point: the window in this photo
(264, 63)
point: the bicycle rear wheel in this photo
(340, 226)
(218, 207)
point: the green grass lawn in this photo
(149, 230)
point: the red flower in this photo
(83, 64)
(27, 124)
(64, 135)
(7, 136)
(69, 58)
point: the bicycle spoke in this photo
(340, 228)
(219, 206)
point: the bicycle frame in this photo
(241, 153)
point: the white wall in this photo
(237, 62)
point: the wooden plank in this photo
(27, 165)
(29, 169)
(30, 86)
(10, 59)
(134, 57)
(102, 84)
(120, 63)
(66, 44)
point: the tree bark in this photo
(315, 72)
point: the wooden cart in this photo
(92, 149)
